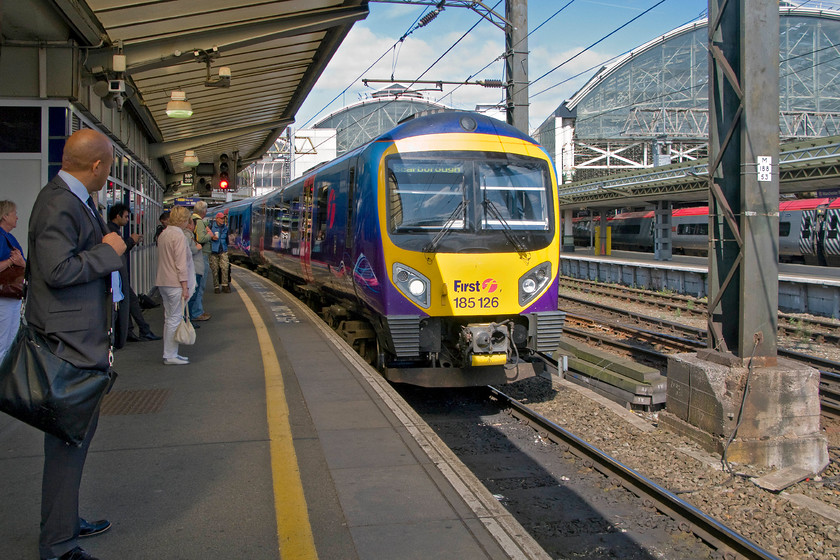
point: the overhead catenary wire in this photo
(702, 84)
(607, 61)
(501, 56)
(411, 29)
(379, 108)
(602, 39)
(415, 26)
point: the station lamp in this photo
(190, 159)
(178, 106)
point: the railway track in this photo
(727, 542)
(572, 503)
(814, 329)
(653, 346)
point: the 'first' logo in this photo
(488, 285)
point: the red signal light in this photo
(223, 184)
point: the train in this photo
(433, 249)
(809, 231)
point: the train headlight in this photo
(416, 287)
(412, 284)
(534, 282)
(529, 286)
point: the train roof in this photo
(785, 206)
(631, 215)
(454, 122)
(692, 211)
(802, 204)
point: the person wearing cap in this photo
(203, 236)
(219, 262)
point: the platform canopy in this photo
(275, 50)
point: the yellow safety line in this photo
(294, 533)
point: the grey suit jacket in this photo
(70, 276)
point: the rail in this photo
(688, 517)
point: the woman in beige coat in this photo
(175, 280)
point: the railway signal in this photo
(224, 176)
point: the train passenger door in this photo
(351, 204)
(808, 233)
(831, 236)
(306, 228)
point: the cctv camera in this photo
(116, 86)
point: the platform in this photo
(276, 441)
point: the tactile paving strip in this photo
(147, 401)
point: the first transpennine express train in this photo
(433, 249)
(809, 231)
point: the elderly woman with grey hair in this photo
(11, 254)
(175, 279)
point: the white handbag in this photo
(185, 332)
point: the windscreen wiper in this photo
(506, 229)
(432, 245)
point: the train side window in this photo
(784, 229)
(627, 229)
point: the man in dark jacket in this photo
(118, 217)
(73, 263)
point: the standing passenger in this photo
(11, 254)
(164, 221)
(175, 280)
(118, 217)
(203, 236)
(73, 261)
(219, 261)
(195, 251)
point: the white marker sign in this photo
(765, 169)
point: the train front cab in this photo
(471, 247)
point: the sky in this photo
(581, 38)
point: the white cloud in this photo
(413, 56)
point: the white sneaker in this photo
(176, 361)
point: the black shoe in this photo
(75, 554)
(196, 326)
(131, 337)
(149, 336)
(91, 528)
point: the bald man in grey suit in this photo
(71, 260)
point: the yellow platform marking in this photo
(294, 533)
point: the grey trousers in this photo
(63, 464)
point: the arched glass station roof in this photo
(661, 87)
(364, 121)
